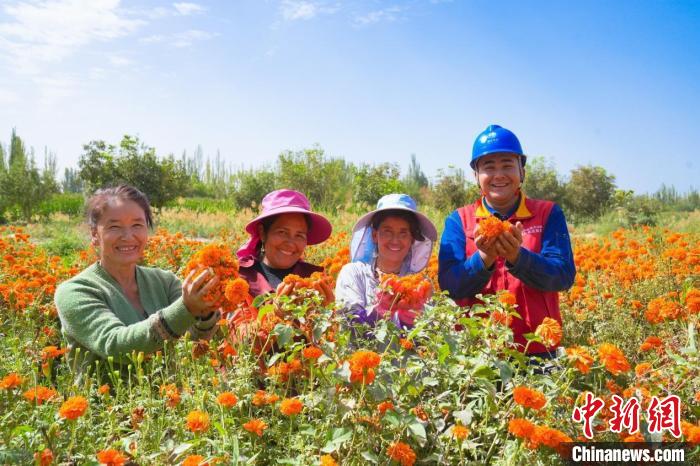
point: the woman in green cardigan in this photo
(116, 306)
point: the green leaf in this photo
(258, 301)
(342, 434)
(443, 352)
(392, 418)
(430, 382)
(284, 333)
(263, 311)
(180, 449)
(21, 430)
(484, 371)
(464, 416)
(274, 359)
(691, 337)
(369, 456)
(505, 370)
(339, 436)
(418, 432)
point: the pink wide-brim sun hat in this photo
(288, 201)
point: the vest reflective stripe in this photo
(533, 305)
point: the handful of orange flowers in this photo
(231, 289)
(404, 296)
(317, 283)
(491, 227)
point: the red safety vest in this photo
(533, 304)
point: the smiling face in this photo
(121, 233)
(499, 177)
(284, 240)
(393, 239)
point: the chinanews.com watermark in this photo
(627, 453)
(661, 416)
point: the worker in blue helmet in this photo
(532, 259)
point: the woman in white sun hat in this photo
(392, 239)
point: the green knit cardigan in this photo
(97, 317)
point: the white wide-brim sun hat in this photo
(363, 249)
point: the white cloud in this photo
(153, 39)
(49, 31)
(8, 97)
(187, 38)
(180, 39)
(293, 10)
(97, 73)
(389, 14)
(186, 8)
(55, 88)
(117, 60)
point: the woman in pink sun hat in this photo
(278, 237)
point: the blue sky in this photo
(608, 83)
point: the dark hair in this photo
(268, 221)
(97, 203)
(410, 217)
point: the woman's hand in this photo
(327, 292)
(196, 285)
(285, 289)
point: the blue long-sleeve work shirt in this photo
(552, 269)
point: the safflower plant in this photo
(326, 390)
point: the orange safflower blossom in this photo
(11, 380)
(111, 457)
(284, 370)
(652, 342)
(521, 428)
(255, 426)
(613, 359)
(312, 283)
(51, 352)
(194, 460)
(227, 399)
(385, 406)
(407, 292)
(73, 407)
(327, 460)
(261, 398)
(549, 331)
(642, 369)
(231, 290)
(197, 421)
(171, 393)
(491, 227)
(460, 432)
(291, 406)
(406, 344)
(691, 432)
(692, 301)
(401, 452)
(44, 457)
(529, 397)
(362, 364)
(580, 358)
(507, 298)
(40, 394)
(662, 309)
(312, 352)
(536, 436)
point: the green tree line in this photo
(331, 183)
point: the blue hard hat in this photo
(493, 140)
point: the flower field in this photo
(301, 385)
